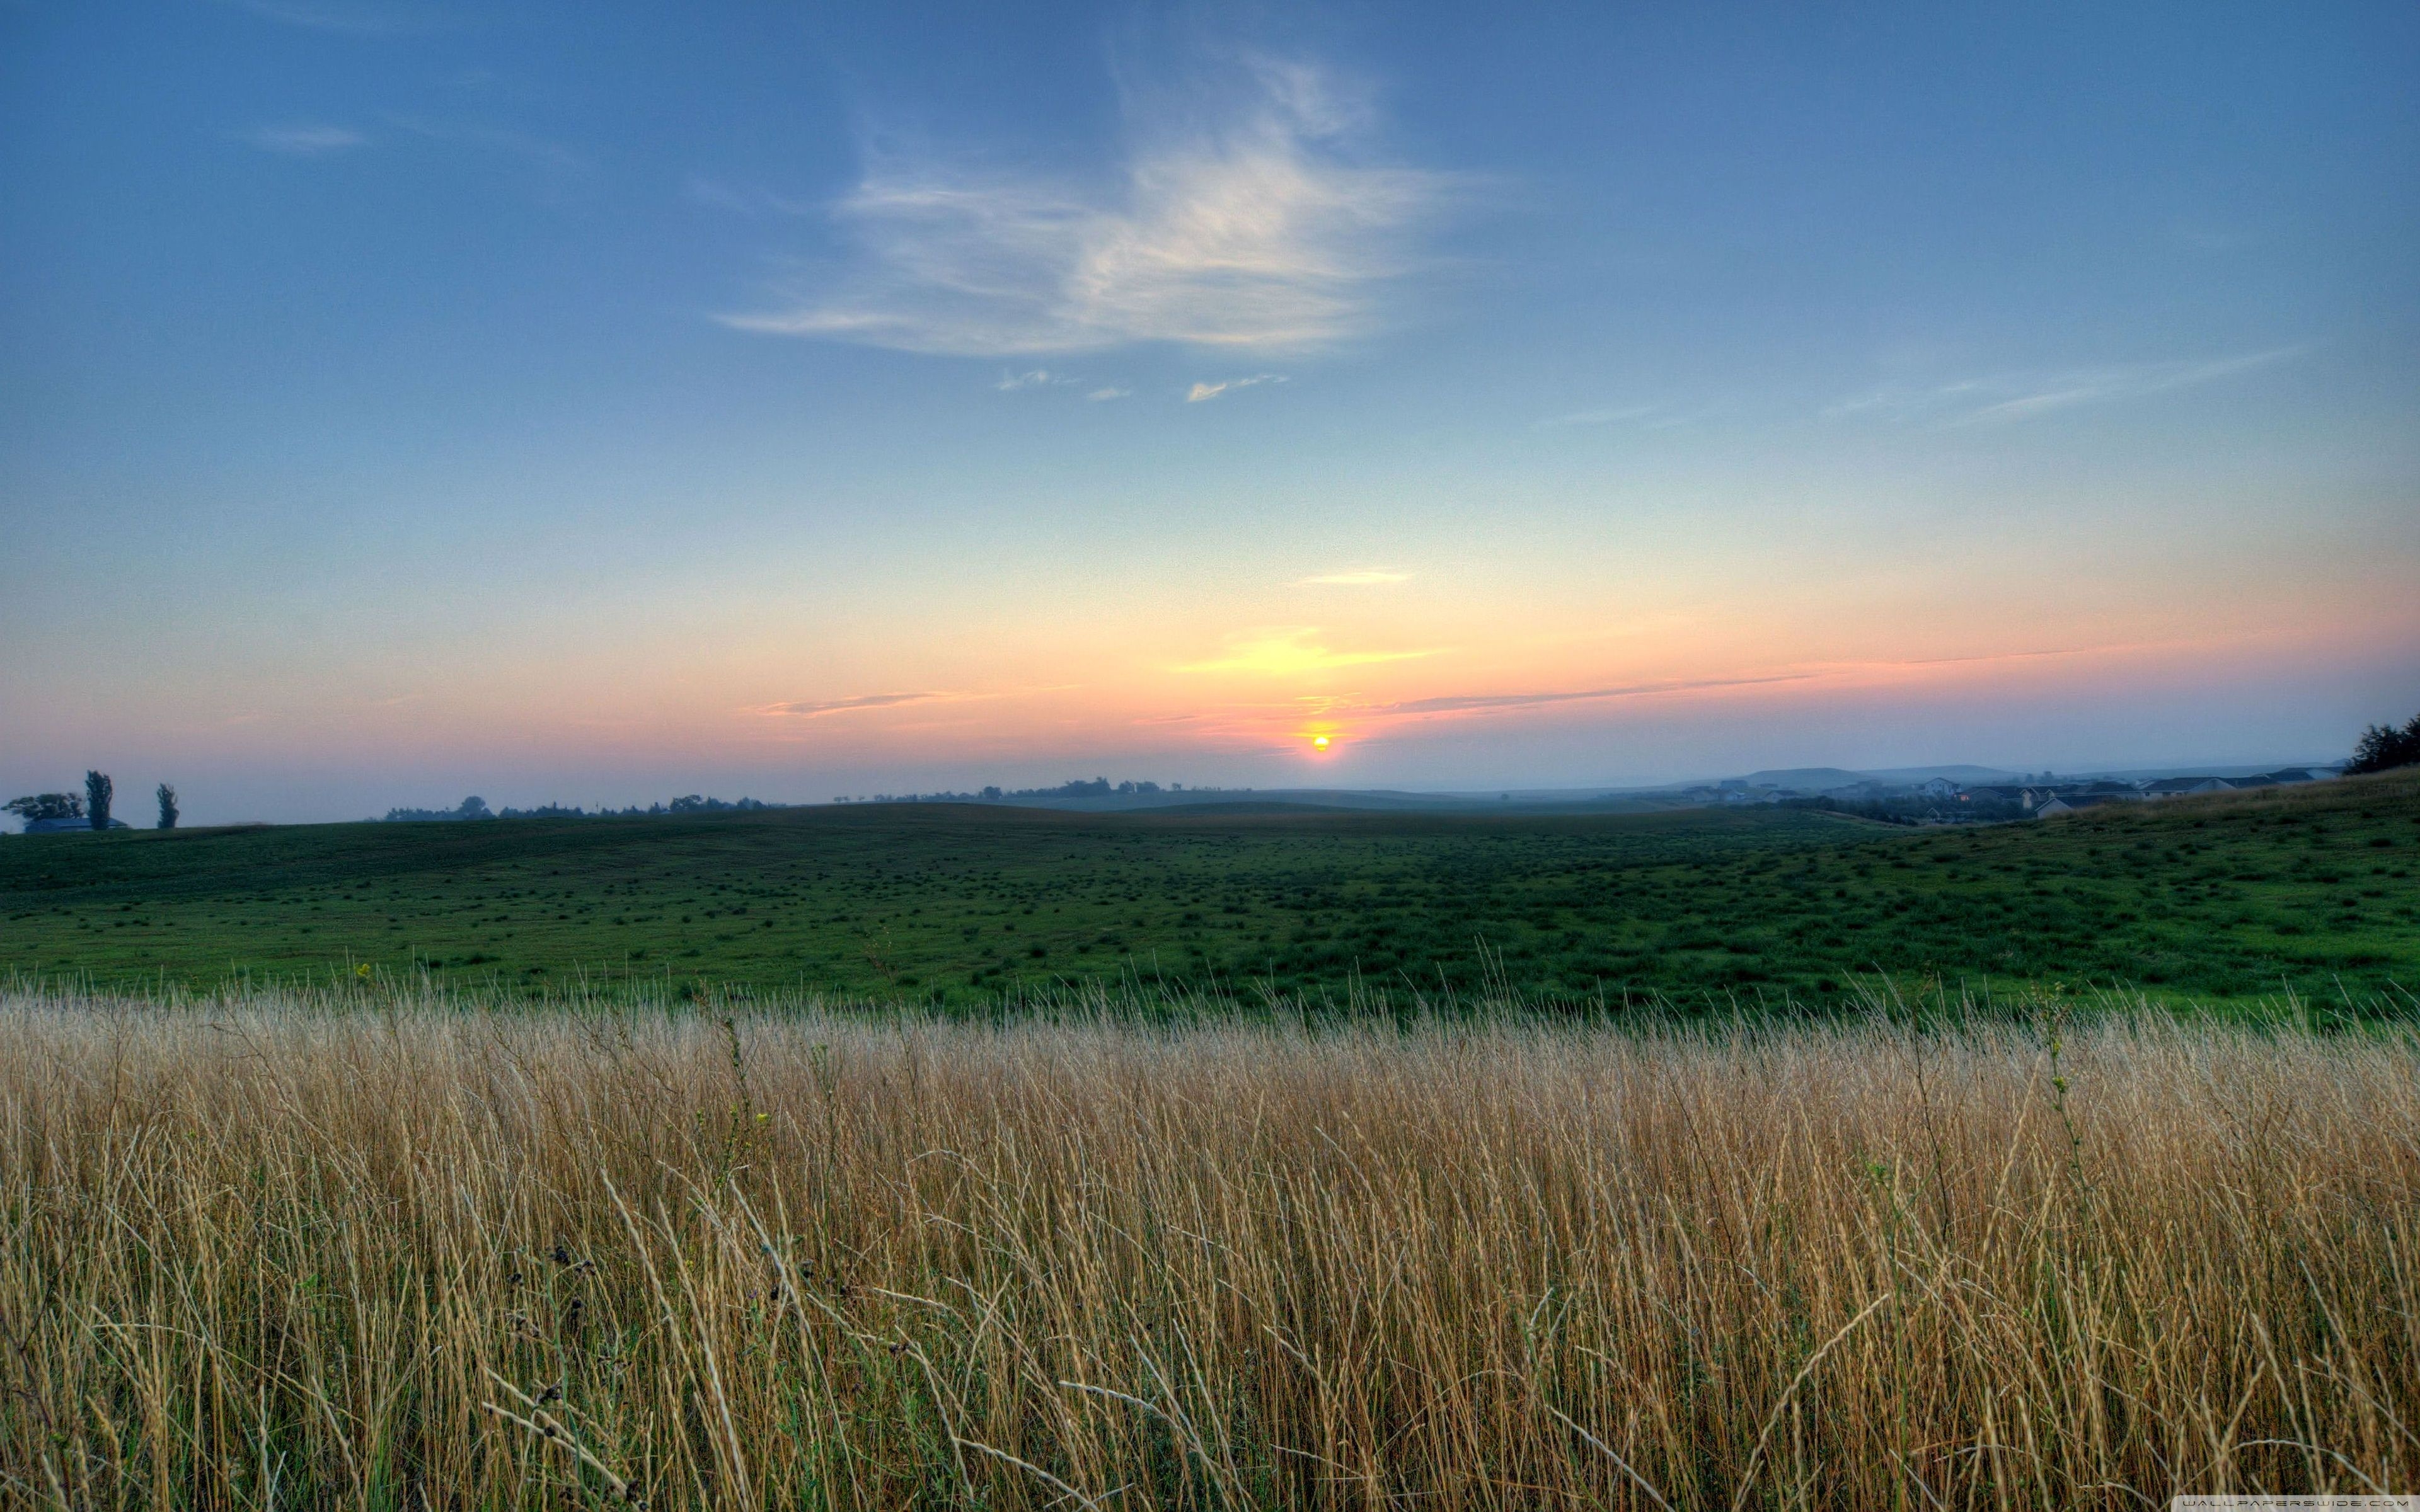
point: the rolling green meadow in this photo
(2225, 898)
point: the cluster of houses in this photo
(2048, 802)
(1941, 802)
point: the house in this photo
(2076, 802)
(2179, 787)
(2007, 794)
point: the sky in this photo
(401, 399)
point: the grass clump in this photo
(385, 1249)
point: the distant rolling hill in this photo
(1811, 779)
(1823, 778)
(1962, 776)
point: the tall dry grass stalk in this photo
(392, 1253)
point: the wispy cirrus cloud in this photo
(1200, 392)
(1493, 702)
(816, 709)
(1291, 651)
(1644, 416)
(2006, 397)
(303, 141)
(552, 159)
(1481, 703)
(1359, 578)
(1608, 416)
(1259, 222)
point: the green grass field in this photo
(2226, 898)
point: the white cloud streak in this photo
(1260, 226)
(303, 141)
(2007, 397)
(1211, 390)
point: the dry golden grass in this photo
(382, 1252)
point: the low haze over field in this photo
(399, 400)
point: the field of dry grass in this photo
(387, 1252)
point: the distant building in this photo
(2022, 797)
(2076, 802)
(2180, 787)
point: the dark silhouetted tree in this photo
(167, 796)
(41, 806)
(2384, 748)
(96, 790)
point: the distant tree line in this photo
(92, 807)
(2382, 748)
(476, 808)
(1914, 808)
(1099, 787)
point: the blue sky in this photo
(399, 400)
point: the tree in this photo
(2384, 748)
(167, 807)
(41, 806)
(96, 790)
